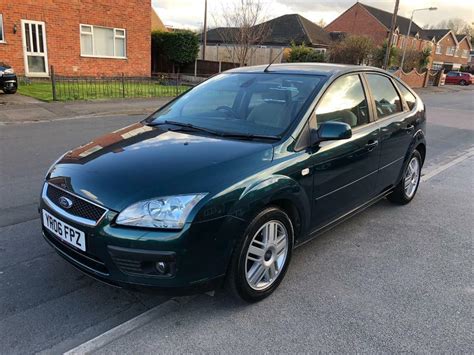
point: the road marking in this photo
(127, 327)
(439, 169)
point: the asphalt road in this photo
(390, 279)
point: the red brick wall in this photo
(413, 78)
(358, 21)
(62, 19)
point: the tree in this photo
(321, 23)
(457, 25)
(304, 54)
(352, 50)
(415, 59)
(243, 28)
(179, 47)
(379, 55)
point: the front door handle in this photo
(409, 128)
(371, 145)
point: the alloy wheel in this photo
(266, 255)
(412, 177)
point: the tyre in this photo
(9, 91)
(262, 256)
(463, 82)
(406, 189)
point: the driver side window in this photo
(344, 101)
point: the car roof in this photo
(324, 69)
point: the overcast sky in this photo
(189, 13)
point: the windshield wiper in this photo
(188, 125)
(250, 136)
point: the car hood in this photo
(140, 162)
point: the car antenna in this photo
(273, 60)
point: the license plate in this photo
(64, 231)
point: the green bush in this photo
(180, 47)
(379, 56)
(352, 50)
(302, 53)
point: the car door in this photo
(397, 120)
(344, 171)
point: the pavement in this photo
(391, 279)
(23, 109)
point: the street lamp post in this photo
(409, 29)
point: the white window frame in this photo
(465, 53)
(2, 40)
(450, 51)
(116, 36)
(439, 49)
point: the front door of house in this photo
(34, 48)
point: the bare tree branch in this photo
(242, 28)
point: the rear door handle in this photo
(371, 145)
(409, 128)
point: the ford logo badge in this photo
(64, 202)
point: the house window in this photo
(438, 49)
(437, 66)
(2, 38)
(465, 53)
(450, 50)
(97, 41)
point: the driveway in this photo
(390, 279)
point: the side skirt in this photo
(317, 232)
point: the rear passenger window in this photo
(387, 101)
(407, 95)
(344, 101)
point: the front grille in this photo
(84, 259)
(80, 208)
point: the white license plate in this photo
(62, 230)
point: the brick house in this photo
(77, 37)
(451, 51)
(447, 50)
(365, 20)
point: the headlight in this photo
(164, 212)
(9, 71)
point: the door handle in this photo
(371, 145)
(409, 128)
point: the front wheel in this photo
(406, 189)
(261, 259)
(9, 91)
(463, 82)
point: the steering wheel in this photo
(228, 109)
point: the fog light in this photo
(161, 267)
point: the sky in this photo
(190, 13)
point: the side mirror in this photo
(331, 131)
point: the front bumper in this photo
(195, 257)
(8, 81)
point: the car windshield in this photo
(263, 104)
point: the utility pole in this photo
(390, 36)
(205, 31)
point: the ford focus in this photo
(222, 183)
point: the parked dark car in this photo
(8, 79)
(222, 183)
(459, 78)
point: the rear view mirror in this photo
(331, 130)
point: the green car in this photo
(222, 183)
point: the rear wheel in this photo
(463, 82)
(261, 259)
(406, 189)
